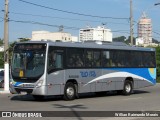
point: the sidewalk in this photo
(4, 92)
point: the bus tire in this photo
(69, 91)
(128, 87)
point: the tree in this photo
(155, 41)
(23, 39)
(119, 39)
(1, 55)
(1, 42)
(1, 59)
(158, 63)
(10, 50)
(128, 41)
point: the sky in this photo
(47, 15)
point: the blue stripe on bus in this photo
(147, 73)
(17, 84)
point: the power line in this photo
(63, 18)
(43, 16)
(44, 24)
(156, 32)
(69, 12)
(121, 31)
(57, 26)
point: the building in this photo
(99, 34)
(139, 42)
(1, 48)
(46, 35)
(145, 29)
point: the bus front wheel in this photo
(127, 89)
(69, 91)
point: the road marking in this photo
(133, 98)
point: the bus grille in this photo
(24, 90)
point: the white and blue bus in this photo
(46, 68)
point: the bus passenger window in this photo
(75, 58)
(96, 59)
(79, 62)
(106, 59)
(89, 58)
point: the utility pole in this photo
(131, 22)
(6, 51)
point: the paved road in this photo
(146, 99)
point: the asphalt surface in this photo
(144, 99)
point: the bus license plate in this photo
(23, 93)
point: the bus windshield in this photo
(28, 60)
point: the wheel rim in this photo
(128, 88)
(70, 91)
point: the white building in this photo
(99, 33)
(46, 35)
(139, 41)
(1, 48)
(145, 29)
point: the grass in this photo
(158, 79)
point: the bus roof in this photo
(93, 44)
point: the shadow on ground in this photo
(81, 96)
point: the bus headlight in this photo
(11, 83)
(39, 84)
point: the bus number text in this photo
(88, 74)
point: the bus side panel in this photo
(142, 77)
(83, 77)
(111, 83)
(119, 83)
(93, 74)
(55, 82)
(141, 83)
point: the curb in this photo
(4, 92)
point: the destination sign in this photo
(30, 46)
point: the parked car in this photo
(2, 79)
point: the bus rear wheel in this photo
(128, 88)
(69, 91)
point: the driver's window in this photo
(55, 59)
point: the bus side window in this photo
(89, 58)
(75, 58)
(51, 60)
(58, 60)
(106, 59)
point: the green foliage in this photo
(119, 39)
(124, 39)
(158, 80)
(1, 55)
(1, 42)
(158, 63)
(10, 50)
(1, 60)
(128, 41)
